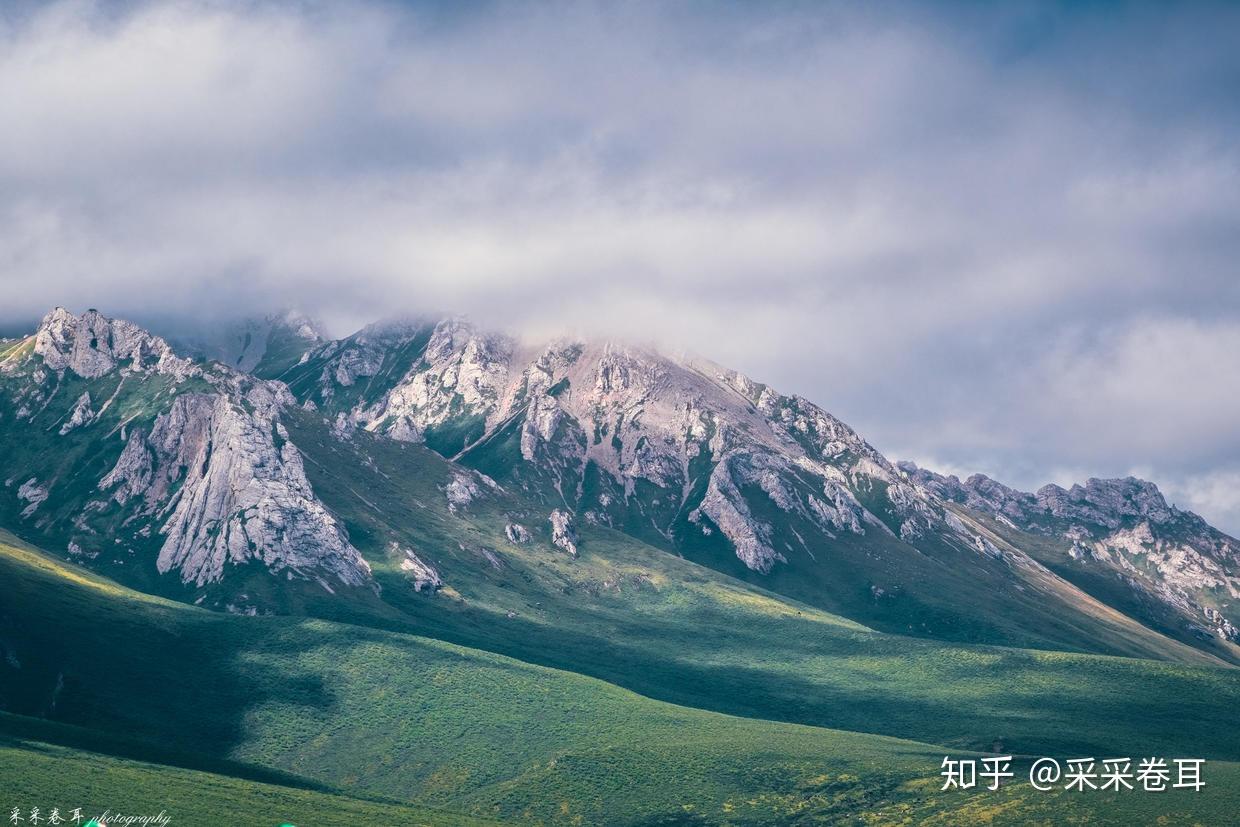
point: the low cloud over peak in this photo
(1003, 239)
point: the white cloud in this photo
(961, 230)
(1215, 493)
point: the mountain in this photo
(130, 455)
(124, 451)
(446, 541)
(711, 465)
(265, 346)
(1120, 533)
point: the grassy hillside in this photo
(385, 490)
(43, 773)
(371, 713)
(35, 771)
(1108, 586)
(641, 618)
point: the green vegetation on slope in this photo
(378, 714)
(379, 708)
(38, 772)
(641, 618)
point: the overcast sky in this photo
(992, 240)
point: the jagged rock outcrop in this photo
(461, 490)
(91, 345)
(328, 372)
(240, 492)
(1123, 526)
(32, 494)
(423, 575)
(1106, 502)
(517, 534)
(206, 464)
(669, 438)
(563, 531)
(81, 414)
(462, 372)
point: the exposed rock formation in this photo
(81, 414)
(669, 439)
(206, 463)
(240, 492)
(423, 575)
(563, 531)
(1124, 526)
(91, 345)
(517, 534)
(33, 494)
(461, 491)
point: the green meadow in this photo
(160, 703)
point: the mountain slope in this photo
(1121, 541)
(121, 452)
(38, 770)
(701, 461)
(399, 716)
(424, 524)
(265, 346)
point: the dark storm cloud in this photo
(997, 240)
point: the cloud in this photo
(1003, 237)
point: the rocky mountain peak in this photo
(979, 492)
(704, 436)
(92, 344)
(1107, 502)
(208, 465)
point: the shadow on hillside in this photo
(152, 681)
(917, 690)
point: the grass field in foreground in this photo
(38, 774)
(365, 713)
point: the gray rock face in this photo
(214, 471)
(81, 414)
(563, 531)
(978, 492)
(706, 439)
(461, 372)
(461, 491)
(362, 355)
(517, 534)
(1107, 502)
(91, 345)
(32, 494)
(423, 575)
(240, 492)
(728, 510)
(1121, 526)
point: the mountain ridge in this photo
(210, 472)
(693, 458)
(1123, 524)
